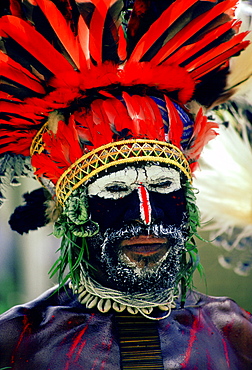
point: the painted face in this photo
(141, 212)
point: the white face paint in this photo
(121, 183)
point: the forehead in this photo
(146, 174)
(143, 173)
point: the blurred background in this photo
(26, 259)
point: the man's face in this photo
(142, 216)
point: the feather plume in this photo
(34, 43)
(83, 36)
(13, 71)
(74, 59)
(202, 134)
(217, 57)
(63, 149)
(167, 18)
(103, 29)
(34, 213)
(175, 124)
(118, 118)
(62, 29)
(227, 162)
(18, 141)
(15, 8)
(225, 202)
(190, 29)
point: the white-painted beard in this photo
(155, 274)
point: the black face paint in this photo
(120, 220)
(110, 213)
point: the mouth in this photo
(145, 250)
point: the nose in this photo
(143, 207)
(144, 204)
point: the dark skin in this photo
(56, 332)
(113, 211)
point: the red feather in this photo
(29, 112)
(83, 36)
(146, 122)
(65, 145)
(18, 141)
(164, 77)
(175, 124)
(36, 45)
(167, 18)
(202, 134)
(101, 126)
(62, 149)
(190, 30)
(117, 115)
(151, 124)
(134, 111)
(187, 51)
(15, 72)
(15, 8)
(62, 29)
(97, 27)
(46, 167)
(213, 58)
(122, 44)
(6, 97)
(84, 125)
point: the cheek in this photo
(170, 208)
(109, 213)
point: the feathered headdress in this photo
(86, 85)
(225, 202)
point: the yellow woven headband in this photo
(125, 151)
(112, 154)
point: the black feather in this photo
(32, 214)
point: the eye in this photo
(117, 188)
(162, 184)
(165, 185)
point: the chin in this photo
(124, 275)
(125, 269)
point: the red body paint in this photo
(26, 326)
(193, 336)
(145, 207)
(77, 341)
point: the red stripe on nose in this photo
(145, 207)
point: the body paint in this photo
(145, 206)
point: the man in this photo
(140, 260)
(114, 132)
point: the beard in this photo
(155, 274)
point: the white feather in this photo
(224, 179)
(225, 190)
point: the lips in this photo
(144, 246)
(145, 249)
